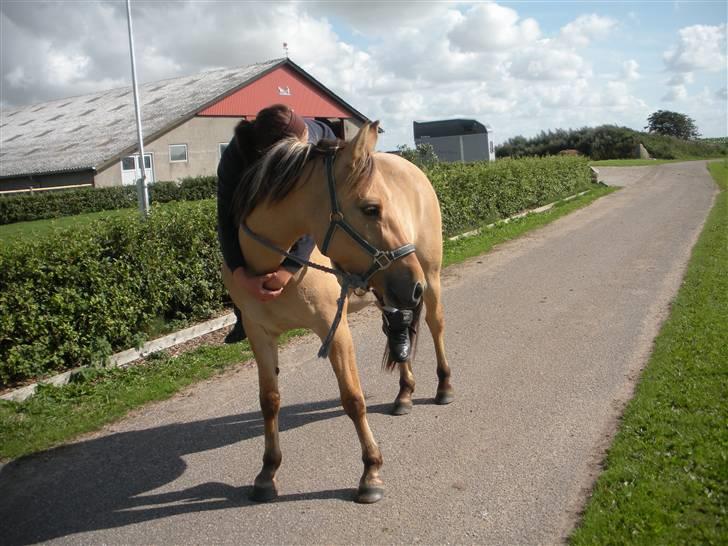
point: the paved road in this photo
(546, 336)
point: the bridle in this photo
(381, 259)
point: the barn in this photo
(90, 140)
(457, 139)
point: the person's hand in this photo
(279, 280)
(262, 287)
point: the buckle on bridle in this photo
(383, 260)
(336, 216)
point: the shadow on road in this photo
(99, 483)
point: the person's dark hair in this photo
(271, 125)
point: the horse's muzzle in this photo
(403, 293)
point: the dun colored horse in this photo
(387, 202)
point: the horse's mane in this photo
(279, 170)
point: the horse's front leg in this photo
(436, 323)
(343, 360)
(403, 402)
(266, 356)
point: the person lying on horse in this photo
(250, 141)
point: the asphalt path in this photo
(546, 336)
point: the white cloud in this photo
(63, 69)
(17, 78)
(490, 27)
(681, 78)
(394, 61)
(722, 94)
(630, 70)
(547, 62)
(585, 28)
(676, 93)
(699, 47)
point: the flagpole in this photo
(142, 182)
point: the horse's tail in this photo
(388, 363)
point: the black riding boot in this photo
(396, 324)
(237, 334)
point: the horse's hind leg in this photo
(343, 360)
(266, 355)
(436, 323)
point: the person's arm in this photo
(302, 249)
(229, 171)
(318, 130)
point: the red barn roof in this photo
(284, 84)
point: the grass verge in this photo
(666, 475)
(98, 397)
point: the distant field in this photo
(42, 227)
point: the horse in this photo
(389, 204)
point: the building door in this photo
(131, 169)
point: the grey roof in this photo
(449, 127)
(85, 132)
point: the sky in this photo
(519, 67)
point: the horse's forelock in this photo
(273, 176)
(276, 173)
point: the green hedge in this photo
(474, 193)
(54, 204)
(610, 142)
(80, 294)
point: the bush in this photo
(54, 204)
(474, 193)
(609, 142)
(423, 155)
(77, 295)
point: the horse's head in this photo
(373, 234)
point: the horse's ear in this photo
(365, 140)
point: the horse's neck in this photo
(281, 224)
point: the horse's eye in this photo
(371, 210)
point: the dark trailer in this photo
(457, 139)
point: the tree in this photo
(664, 122)
(423, 155)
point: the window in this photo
(177, 153)
(221, 148)
(127, 164)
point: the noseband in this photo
(382, 259)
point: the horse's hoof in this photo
(401, 407)
(369, 494)
(444, 397)
(263, 494)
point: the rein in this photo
(381, 259)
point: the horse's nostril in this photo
(417, 292)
